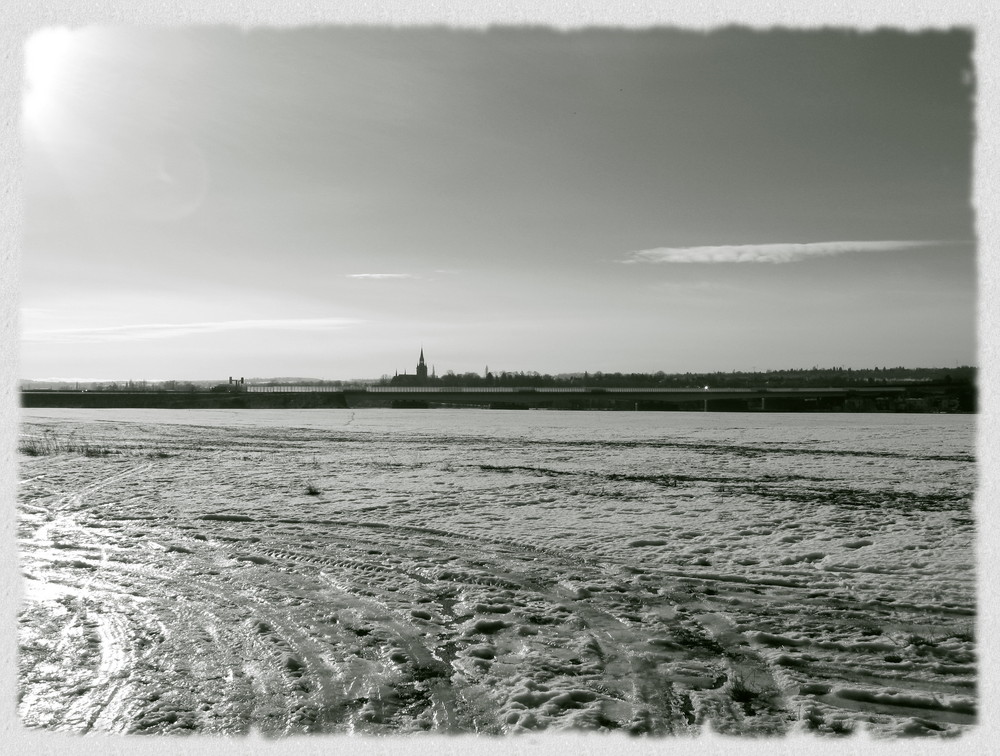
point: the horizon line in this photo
(874, 368)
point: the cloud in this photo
(146, 331)
(694, 289)
(380, 275)
(767, 253)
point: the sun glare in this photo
(48, 56)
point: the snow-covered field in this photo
(385, 571)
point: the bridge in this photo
(818, 399)
(500, 397)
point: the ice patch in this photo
(223, 517)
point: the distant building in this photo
(420, 379)
(421, 368)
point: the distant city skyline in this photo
(323, 202)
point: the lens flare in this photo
(48, 56)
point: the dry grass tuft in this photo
(48, 444)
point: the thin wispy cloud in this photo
(694, 289)
(768, 253)
(380, 275)
(146, 331)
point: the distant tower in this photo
(421, 368)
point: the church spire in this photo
(421, 368)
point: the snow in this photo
(387, 571)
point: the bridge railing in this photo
(270, 389)
(273, 389)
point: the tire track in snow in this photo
(822, 643)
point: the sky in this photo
(324, 202)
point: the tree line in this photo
(794, 378)
(835, 377)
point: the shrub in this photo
(751, 695)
